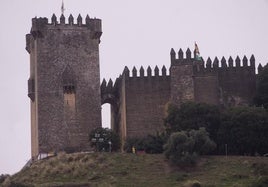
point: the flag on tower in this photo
(196, 52)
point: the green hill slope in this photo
(116, 169)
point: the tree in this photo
(104, 139)
(183, 147)
(192, 115)
(244, 130)
(261, 98)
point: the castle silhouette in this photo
(66, 94)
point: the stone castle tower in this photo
(64, 83)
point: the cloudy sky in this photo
(139, 32)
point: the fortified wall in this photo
(139, 102)
(66, 95)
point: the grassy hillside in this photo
(116, 169)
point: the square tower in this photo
(64, 83)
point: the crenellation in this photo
(164, 71)
(126, 72)
(149, 71)
(216, 63)
(245, 61)
(141, 71)
(103, 85)
(71, 19)
(172, 55)
(110, 84)
(54, 19)
(252, 61)
(156, 71)
(134, 72)
(208, 64)
(180, 53)
(188, 54)
(260, 68)
(87, 20)
(62, 19)
(230, 62)
(223, 63)
(237, 62)
(79, 20)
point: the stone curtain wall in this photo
(146, 97)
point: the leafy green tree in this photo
(183, 147)
(203, 144)
(244, 130)
(103, 139)
(192, 115)
(261, 98)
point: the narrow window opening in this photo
(106, 115)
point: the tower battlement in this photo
(91, 23)
(235, 66)
(39, 25)
(239, 64)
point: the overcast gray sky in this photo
(138, 32)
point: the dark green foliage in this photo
(202, 143)
(192, 115)
(100, 138)
(138, 143)
(183, 147)
(244, 130)
(152, 144)
(261, 98)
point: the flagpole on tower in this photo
(62, 8)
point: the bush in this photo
(183, 147)
(100, 138)
(152, 144)
(138, 143)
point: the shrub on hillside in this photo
(152, 144)
(183, 147)
(103, 139)
(138, 143)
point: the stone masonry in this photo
(64, 83)
(66, 96)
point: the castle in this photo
(66, 94)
